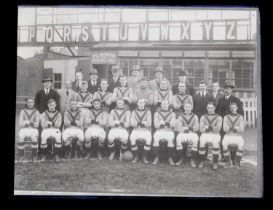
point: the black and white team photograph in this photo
(142, 101)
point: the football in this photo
(128, 156)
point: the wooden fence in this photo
(250, 112)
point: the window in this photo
(243, 70)
(196, 71)
(148, 66)
(57, 81)
(219, 71)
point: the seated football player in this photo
(104, 95)
(28, 124)
(123, 92)
(210, 126)
(233, 126)
(96, 120)
(73, 136)
(187, 139)
(181, 98)
(141, 123)
(164, 123)
(119, 122)
(51, 134)
(84, 98)
(163, 94)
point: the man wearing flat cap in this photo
(114, 82)
(94, 82)
(154, 84)
(42, 96)
(133, 81)
(182, 75)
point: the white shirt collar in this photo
(227, 97)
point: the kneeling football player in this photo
(233, 125)
(188, 126)
(164, 122)
(28, 122)
(51, 134)
(119, 121)
(141, 122)
(95, 135)
(210, 126)
(73, 136)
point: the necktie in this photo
(67, 92)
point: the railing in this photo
(250, 112)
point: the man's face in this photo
(163, 84)
(94, 77)
(202, 87)
(30, 103)
(123, 81)
(68, 85)
(120, 104)
(164, 105)
(83, 89)
(47, 84)
(73, 104)
(141, 104)
(96, 104)
(215, 87)
(228, 91)
(104, 85)
(182, 79)
(182, 87)
(233, 109)
(135, 73)
(158, 75)
(52, 106)
(143, 84)
(210, 109)
(78, 76)
(187, 108)
(115, 74)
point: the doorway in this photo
(103, 70)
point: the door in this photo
(104, 70)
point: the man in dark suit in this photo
(182, 75)
(94, 82)
(42, 96)
(216, 93)
(77, 82)
(114, 81)
(201, 100)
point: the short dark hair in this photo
(51, 101)
(211, 103)
(202, 82)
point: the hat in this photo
(159, 69)
(93, 71)
(229, 83)
(115, 68)
(83, 83)
(45, 79)
(136, 68)
(182, 73)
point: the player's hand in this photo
(162, 126)
(31, 124)
(139, 124)
(167, 124)
(77, 122)
(144, 123)
(121, 124)
(49, 123)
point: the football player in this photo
(119, 121)
(164, 122)
(181, 98)
(163, 94)
(73, 135)
(210, 126)
(84, 98)
(28, 123)
(95, 135)
(233, 126)
(51, 123)
(141, 122)
(188, 126)
(104, 95)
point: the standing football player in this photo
(141, 120)
(104, 95)
(119, 121)
(163, 94)
(84, 98)
(51, 123)
(164, 123)
(181, 98)
(233, 126)
(28, 123)
(210, 126)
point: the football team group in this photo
(108, 117)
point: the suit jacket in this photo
(92, 89)
(200, 104)
(64, 99)
(75, 87)
(41, 100)
(189, 89)
(155, 87)
(218, 96)
(223, 105)
(112, 84)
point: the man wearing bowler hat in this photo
(133, 81)
(114, 80)
(42, 96)
(154, 84)
(94, 82)
(182, 75)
